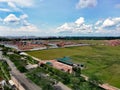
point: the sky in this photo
(59, 17)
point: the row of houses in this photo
(33, 44)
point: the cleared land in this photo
(103, 61)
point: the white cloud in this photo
(14, 25)
(21, 3)
(108, 23)
(86, 3)
(116, 20)
(99, 22)
(98, 28)
(23, 30)
(11, 18)
(25, 23)
(80, 21)
(5, 10)
(75, 27)
(13, 6)
(23, 19)
(111, 22)
(24, 16)
(29, 28)
(64, 26)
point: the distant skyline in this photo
(59, 17)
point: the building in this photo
(65, 60)
(58, 65)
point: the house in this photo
(58, 65)
(22, 53)
(65, 60)
(11, 82)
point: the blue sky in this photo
(60, 17)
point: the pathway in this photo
(26, 83)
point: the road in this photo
(27, 84)
(60, 84)
(23, 79)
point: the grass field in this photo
(104, 61)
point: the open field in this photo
(104, 61)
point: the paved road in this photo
(61, 85)
(27, 84)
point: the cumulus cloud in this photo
(109, 26)
(65, 26)
(11, 18)
(25, 23)
(75, 27)
(12, 24)
(98, 22)
(86, 3)
(116, 20)
(21, 25)
(79, 21)
(109, 22)
(24, 16)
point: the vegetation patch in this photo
(47, 77)
(101, 60)
(4, 70)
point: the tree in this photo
(76, 71)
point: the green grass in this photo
(103, 61)
(4, 70)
